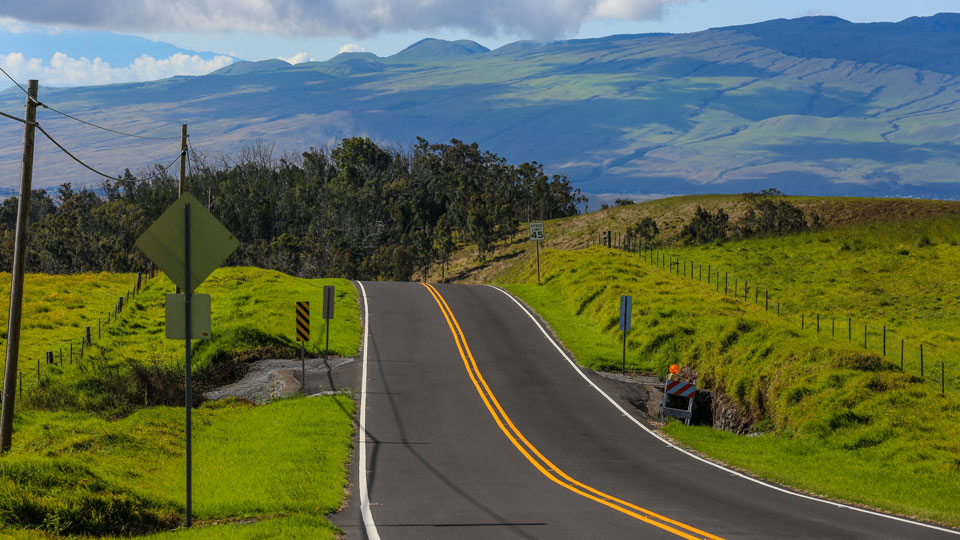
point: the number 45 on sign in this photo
(536, 231)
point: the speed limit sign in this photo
(536, 231)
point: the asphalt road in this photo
(475, 425)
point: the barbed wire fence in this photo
(920, 359)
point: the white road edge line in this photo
(368, 523)
(696, 457)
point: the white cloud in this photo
(539, 19)
(12, 26)
(632, 9)
(351, 47)
(298, 58)
(62, 70)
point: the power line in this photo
(176, 159)
(18, 84)
(91, 124)
(10, 116)
(75, 158)
(45, 106)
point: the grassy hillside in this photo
(831, 417)
(277, 467)
(671, 214)
(92, 456)
(252, 317)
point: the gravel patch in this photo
(273, 378)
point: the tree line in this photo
(357, 211)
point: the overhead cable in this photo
(10, 116)
(18, 84)
(91, 124)
(75, 158)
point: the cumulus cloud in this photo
(351, 47)
(539, 19)
(12, 26)
(62, 70)
(298, 58)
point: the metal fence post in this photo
(901, 354)
(849, 328)
(884, 340)
(818, 323)
(921, 359)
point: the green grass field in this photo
(898, 274)
(271, 467)
(131, 363)
(93, 455)
(832, 418)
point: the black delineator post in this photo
(884, 340)
(921, 359)
(801, 322)
(726, 282)
(818, 323)
(849, 328)
(766, 300)
(901, 354)
(709, 270)
(943, 372)
(623, 364)
(833, 324)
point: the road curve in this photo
(474, 425)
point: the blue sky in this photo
(66, 43)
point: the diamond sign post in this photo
(187, 243)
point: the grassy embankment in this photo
(90, 458)
(671, 215)
(833, 418)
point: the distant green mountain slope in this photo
(810, 106)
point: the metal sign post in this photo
(187, 294)
(187, 256)
(536, 234)
(626, 316)
(328, 298)
(303, 336)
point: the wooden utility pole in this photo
(183, 172)
(16, 282)
(183, 158)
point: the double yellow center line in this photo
(538, 460)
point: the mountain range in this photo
(811, 106)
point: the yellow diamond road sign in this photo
(210, 242)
